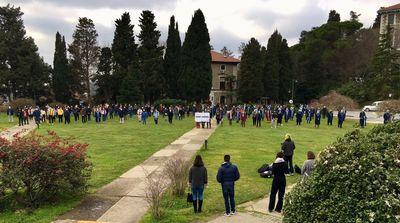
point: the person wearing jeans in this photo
(197, 182)
(227, 175)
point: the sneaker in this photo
(233, 212)
(227, 215)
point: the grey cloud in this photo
(221, 37)
(290, 26)
(115, 4)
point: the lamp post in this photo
(293, 81)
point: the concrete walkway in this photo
(21, 130)
(254, 212)
(123, 200)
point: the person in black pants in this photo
(288, 148)
(279, 169)
(227, 175)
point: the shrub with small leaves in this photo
(356, 179)
(37, 168)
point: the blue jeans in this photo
(197, 193)
(228, 191)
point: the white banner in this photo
(202, 117)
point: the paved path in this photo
(21, 130)
(253, 212)
(123, 200)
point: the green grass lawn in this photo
(249, 148)
(113, 149)
(4, 124)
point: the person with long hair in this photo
(197, 182)
(308, 165)
(288, 148)
(279, 169)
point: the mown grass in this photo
(113, 149)
(4, 124)
(249, 147)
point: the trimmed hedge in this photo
(356, 179)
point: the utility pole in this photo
(293, 81)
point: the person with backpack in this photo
(227, 175)
(288, 148)
(197, 182)
(279, 169)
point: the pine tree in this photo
(150, 58)
(84, 53)
(226, 52)
(104, 77)
(23, 73)
(385, 78)
(250, 84)
(196, 78)
(61, 79)
(172, 60)
(333, 16)
(124, 51)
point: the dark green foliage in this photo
(196, 78)
(61, 79)
(333, 16)
(23, 73)
(129, 92)
(150, 58)
(103, 77)
(250, 83)
(84, 52)
(169, 102)
(277, 69)
(385, 76)
(124, 51)
(361, 171)
(172, 60)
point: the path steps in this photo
(21, 130)
(123, 200)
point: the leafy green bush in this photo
(36, 169)
(356, 179)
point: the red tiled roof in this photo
(219, 57)
(390, 8)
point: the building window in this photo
(391, 19)
(222, 67)
(222, 100)
(222, 84)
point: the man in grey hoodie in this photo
(227, 175)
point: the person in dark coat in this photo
(170, 114)
(36, 115)
(227, 175)
(363, 118)
(386, 117)
(20, 114)
(288, 148)
(341, 117)
(10, 114)
(67, 116)
(279, 169)
(299, 117)
(324, 112)
(330, 117)
(197, 182)
(317, 119)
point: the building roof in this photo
(220, 58)
(390, 8)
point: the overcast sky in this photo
(229, 21)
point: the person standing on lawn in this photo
(279, 169)
(197, 182)
(156, 114)
(288, 148)
(227, 175)
(317, 119)
(363, 119)
(10, 114)
(36, 116)
(330, 117)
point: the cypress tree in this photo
(172, 60)
(196, 78)
(150, 58)
(103, 76)
(272, 67)
(285, 73)
(124, 51)
(60, 71)
(250, 86)
(129, 92)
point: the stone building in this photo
(391, 16)
(224, 78)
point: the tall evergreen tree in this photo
(196, 78)
(104, 77)
(226, 52)
(84, 52)
(130, 92)
(286, 76)
(272, 67)
(23, 73)
(250, 84)
(385, 78)
(172, 60)
(124, 51)
(61, 79)
(150, 58)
